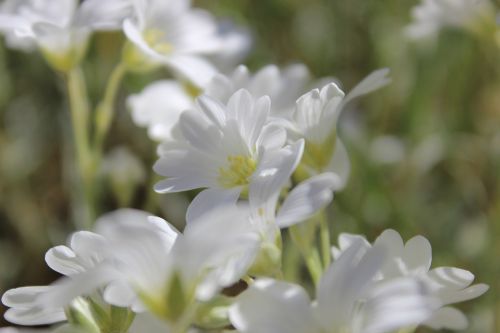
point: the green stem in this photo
(80, 111)
(313, 264)
(324, 233)
(303, 237)
(104, 111)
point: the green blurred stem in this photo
(303, 237)
(80, 112)
(104, 112)
(324, 234)
(313, 264)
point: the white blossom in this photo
(315, 119)
(178, 36)
(223, 147)
(159, 106)
(347, 300)
(60, 29)
(430, 16)
(447, 284)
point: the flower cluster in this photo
(265, 151)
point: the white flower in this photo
(315, 119)
(125, 171)
(83, 253)
(432, 15)
(222, 147)
(282, 86)
(159, 106)
(145, 264)
(447, 284)
(261, 214)
(60, 29)
(348, 300)
(178, 36)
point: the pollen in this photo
(156, 40)
(237, 172)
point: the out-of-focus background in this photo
(425, 151)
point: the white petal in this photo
(213, 109)
(451, 277)
(447, 318)
(159, 106)
(119, 293)
(134, 34)
(372, 82)
(208, 200)
(107, 15)
(64, 290)
(24, 296)
(199, 132)
(417, 254)
(345, 241)
(345, 281)
(63, 260)
(35, 316)
(272, 175)
(463, 295)
(306, 199)
(271, 306)
(271, 137)
(404, 299)
(195, 69)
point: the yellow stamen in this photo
(156, 40)
(238, 171)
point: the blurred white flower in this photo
(141, 262)
(84, 252)
(160, 104)
(282, 86)
(347, 300)
(223, 147)
(124, 171)
(387, 149)
(60, 29)
(430, 16)
(413, 259)
(178, 36)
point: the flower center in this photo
(239, 169)
(156, 40)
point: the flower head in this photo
(222, 147)
(347, 300)
(60, 29)
(430, 16)
(178, 36)
(413, 258)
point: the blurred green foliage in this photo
(425, 151)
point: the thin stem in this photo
(300, 237)
(104, 112)
(324, 233)
(313, 264)
(80, 111)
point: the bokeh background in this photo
(425, 151)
